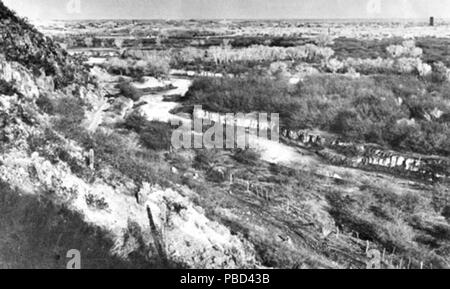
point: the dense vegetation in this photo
(434, 49)
(154, 135)
(403, 112)
(127, 90)
(7, 88)
(225, 58)
(134, 152)
(154, 66)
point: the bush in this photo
(134, 122)
(96, 202)
(205, 159)
(363, 49)
(446, 212)
(45, 104)
(69, 114)
(153, 135)
(129, 91)
(156, 135)
(246, 95)
(392, 55)
(248, 157)
(258, 53)
(7, 88)
(381, 223)
(149, 66)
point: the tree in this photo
(89, 42)
(118, 42)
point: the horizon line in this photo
(247, 19)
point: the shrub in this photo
(135, 122)
(279, 70)
(407, 49)
(440, 73)
(156, 135)
(205, 159)
(446, 212)
(345, 122)
(257, 53)
(121, 153)
(363, 49)
(7, 88)
(155, 66)
(150, 65)
(153, 135)
(129, 91)
(69, 114)
(248, 157)
(96, 202)
(45, 104)
(383, 224)
(334, 65)
(393, 56)
(435, 49)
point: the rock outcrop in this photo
(15, 73)
(368, 156)
(20, 42)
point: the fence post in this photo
(157, 237)
(91, 160)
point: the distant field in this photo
(435, 49)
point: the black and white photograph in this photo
(245, 135)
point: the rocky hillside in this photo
(57, 193)
(22, 43)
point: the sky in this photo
(228, 9)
